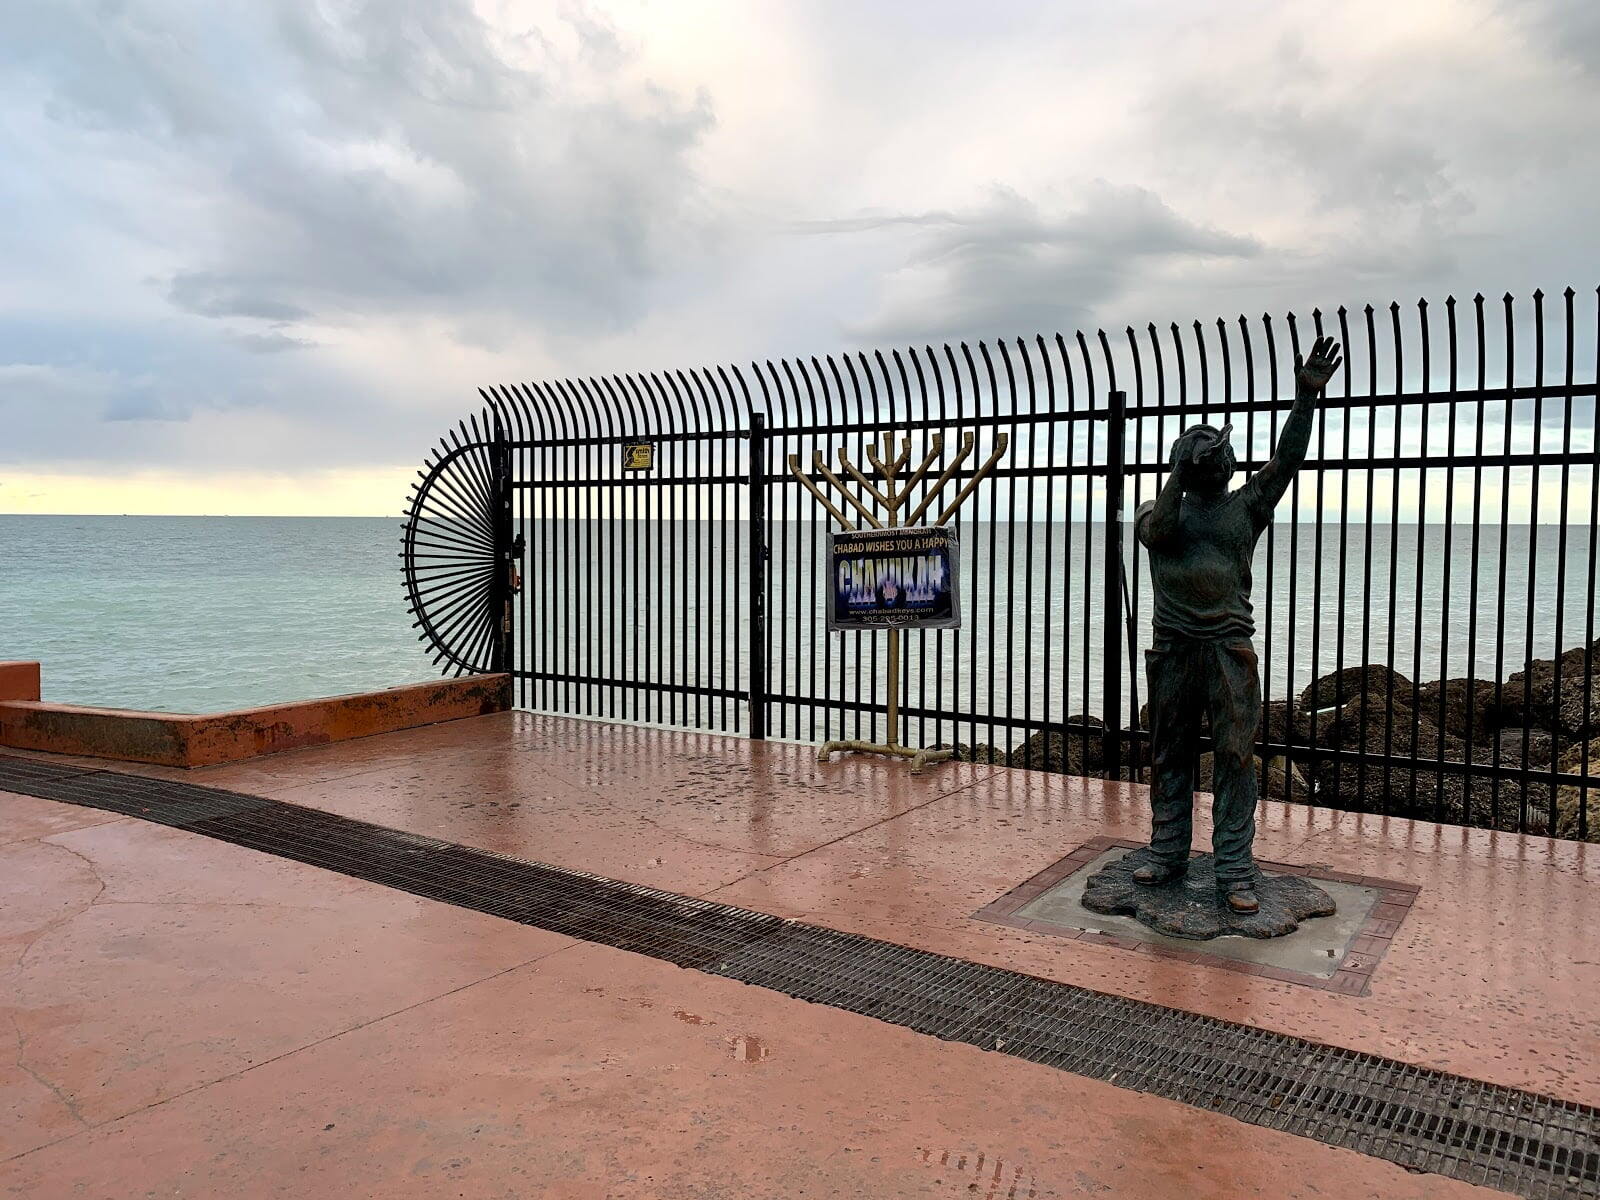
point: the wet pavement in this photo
(191, 1018)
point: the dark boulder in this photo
(1070, 753)
(1571, 800)
(1468, 707)
(1284, 723)
(1415, 785)
(1550, 694)
(1048, 751)
(1376, 724)
(1508, 743)
(981, 753)
(1353, 683)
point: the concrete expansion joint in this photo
(64, 1097)
(651, 821)
(70, 1104)
(94, 900)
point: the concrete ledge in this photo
(180, 740)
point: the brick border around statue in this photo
(1353, 978)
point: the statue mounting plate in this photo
(1191, 907)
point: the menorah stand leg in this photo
(919, 758)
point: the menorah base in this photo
(919, 758)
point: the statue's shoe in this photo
(1241, 897)
(1156, 873)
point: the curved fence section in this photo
(450, 550)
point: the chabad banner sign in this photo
(894, 579)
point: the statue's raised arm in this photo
(1311, 376)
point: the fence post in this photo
(500, 589)
(758, 575)
(1111, 694)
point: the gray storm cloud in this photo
(1006, 268)
(275, 171)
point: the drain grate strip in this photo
(1424, 1120)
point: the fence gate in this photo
(628, 579)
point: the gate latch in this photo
(514, 572)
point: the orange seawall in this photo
(179, 740)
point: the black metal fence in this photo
(1426, 599)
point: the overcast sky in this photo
(258, 254)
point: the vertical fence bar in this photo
(1501, 557)
(1417, 596)
(1474, 561)
(500, 658)
(1561, 568)
(1088, 548)
(1449, 549)
(1111, 689)
(758, 575)
(1589, 592)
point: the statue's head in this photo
(1205, 456)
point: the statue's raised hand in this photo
(1311, 375)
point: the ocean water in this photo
(644, 599)
(195, 614)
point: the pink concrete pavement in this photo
(192, 1019)
(1491, 975)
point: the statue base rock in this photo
(1191, 907)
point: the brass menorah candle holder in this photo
(892, 498)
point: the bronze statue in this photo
(1201, 538)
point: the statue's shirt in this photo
(1201, 575)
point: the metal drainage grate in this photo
(1424, 1120)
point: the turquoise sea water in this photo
(195, 614)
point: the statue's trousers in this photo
(1189, 678)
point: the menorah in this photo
(891, 499)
